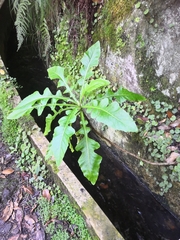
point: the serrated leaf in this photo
(90, 60)
(35, 101)
(94, 85)
(24, 107)
(60, 141)
(61, 137)
(89, 161)
(49, 120)
(57, 72)
(43, 101)
(111, 115)
(123, 94)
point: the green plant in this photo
(61, 208)
(138, 5)
(8, 127)
(81, 98)
(31, 22)
(146, 11)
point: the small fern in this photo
(22, 21)
(31, 18)
(45, 38)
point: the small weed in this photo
(138, 5)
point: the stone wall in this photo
(141, 51)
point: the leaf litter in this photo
(18, 219)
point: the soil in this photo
(18, 218)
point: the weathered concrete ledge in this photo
(98, 224)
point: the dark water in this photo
(128, 203)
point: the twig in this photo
(133, 155)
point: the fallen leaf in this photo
(169, 114)
(2, 176)
(46, 194)
(8, 158)
(28, 189)
(15, 237)
(18, 198)
(25, 175)
(7, 171)
(19, 217)
(23, 236)
(13, 215)
(172, 148)
(2, 72)
(162, 121)
(33, 208)
(176, 123)
(2, 160)
(7, 211)
(164, 127)
(39, 235)
(172, 157)
(29, 220)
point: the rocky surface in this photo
(145, 56)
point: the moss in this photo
(149, 80)
(113, 12)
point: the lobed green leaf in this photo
(111, 115)
(123, 94)
(35, 101)
(90, 60)
(61, 136)
(94, 85)
(89, 161)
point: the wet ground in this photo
(18, 219)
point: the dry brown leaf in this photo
(172, 157)
(23, 236)
(169, 114)
(39, 235)
(19, 217)
(164, 127)
(18, 198)
(29, 220)
(2, 160)
(46, 194)
(28, 189)
(15, 237)
(2, 176)
(172, 148)
(7, 171)
(8, 211)
(33, 208)
(176, 123)
(2, 72)
(162, 121)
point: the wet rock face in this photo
(148, 61)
